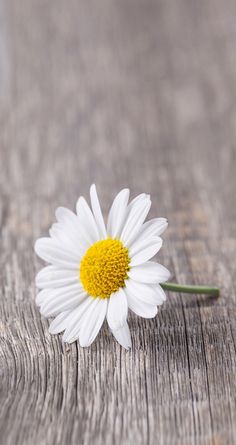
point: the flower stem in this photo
(189, 289)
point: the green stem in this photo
(189, 289)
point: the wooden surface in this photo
(121, 93)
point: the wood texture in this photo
(121, 93)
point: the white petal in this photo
(41, 296)
(154, 227)
(122, 335)
(149, 272)
(47, 295)
(140, 244)
(49, 250)
(74, 323)
(97, 211)
(117, 214)
(87, 221)
(92, 321)
(59, 323)
(132, 203)
(160, 292)
(63, 290)
(134, 220)
(52, 277)
(70, 223)
(139, 307)
(117, 310)
(62, 236)
(147, 293)
(52, 308)
(62, 299)
(144, 250)
(137, 199)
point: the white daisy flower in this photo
(99, 271)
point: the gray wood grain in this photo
(121, 93)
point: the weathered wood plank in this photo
(129, 93)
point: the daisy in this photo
(100, 271)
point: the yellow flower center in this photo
(104, 267)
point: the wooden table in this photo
(121, 93)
